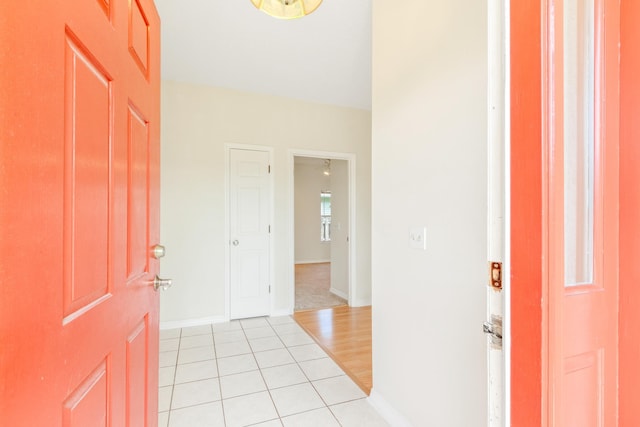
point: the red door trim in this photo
(629, 320)
(526, 214)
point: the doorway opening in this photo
(321, 235)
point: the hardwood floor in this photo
(345, 334)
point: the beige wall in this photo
(197, 122)
(309, 182)
(429, 169)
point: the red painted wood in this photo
(583, 320)
(526, 218)
(78, 341)
(629, 214)
(544, 342)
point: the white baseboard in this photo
(175, 324)
(341, 294)
(314, 261)
(285, 312)
(361, 303)
(388, 412)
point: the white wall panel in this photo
(429, 169)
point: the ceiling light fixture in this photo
(287, 9)
(327, 167)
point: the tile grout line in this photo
(285, 347)
(171, 408)
(344, 374)
(175, 372)
(327, 356)
(168, 411)
(260, 370)
(311, 382)
(215, 357)
(305, 374)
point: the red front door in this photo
(580, 210)
(575, 321)
(79, 184)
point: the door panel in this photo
(583, 376)
(88, 405)
(250, 272)
(139, 35)
(136, 365)
(583, 222)
(138, 188)
(249, 231)
(79, 208)
(87, 150)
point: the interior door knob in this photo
(163, 284)
(236, 242)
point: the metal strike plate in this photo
(495, 275)
(494, 330)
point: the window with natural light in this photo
(325, 216)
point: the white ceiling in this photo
(324, 57)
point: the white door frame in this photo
(506, 267)
(499, 206)
(227, 219)
(351, 167)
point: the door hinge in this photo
(269, 169)
(269, 288)
(269, 229)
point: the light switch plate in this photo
(418, 238)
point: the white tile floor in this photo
(263, 372)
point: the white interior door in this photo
(249, 233)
